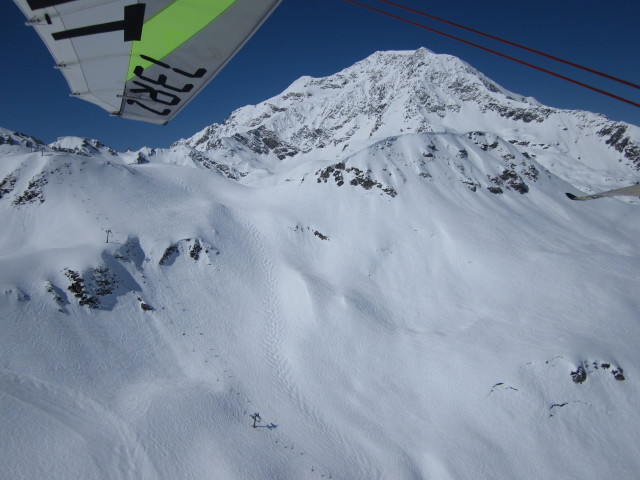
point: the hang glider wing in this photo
(143, 60)
(632, 191)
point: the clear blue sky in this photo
(321, 37)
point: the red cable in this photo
(603, 92)
(537, 52)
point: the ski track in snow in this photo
(287, 384)
(224, 372)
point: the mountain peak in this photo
(386, 94)
(396, 93)
(8, 137)
(80, 146)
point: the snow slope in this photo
(400, 294)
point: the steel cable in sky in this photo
(508, 57)
(513, 44)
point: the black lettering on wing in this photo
(197, 74)
(162, 81)
(156, 95)
(163, 113)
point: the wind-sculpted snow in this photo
(347, 281)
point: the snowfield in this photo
(381, 263)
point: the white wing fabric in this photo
(143, 60)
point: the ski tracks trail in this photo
(116, 450)
(288, 387)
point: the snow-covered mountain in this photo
(381, 263)
(396, 93)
